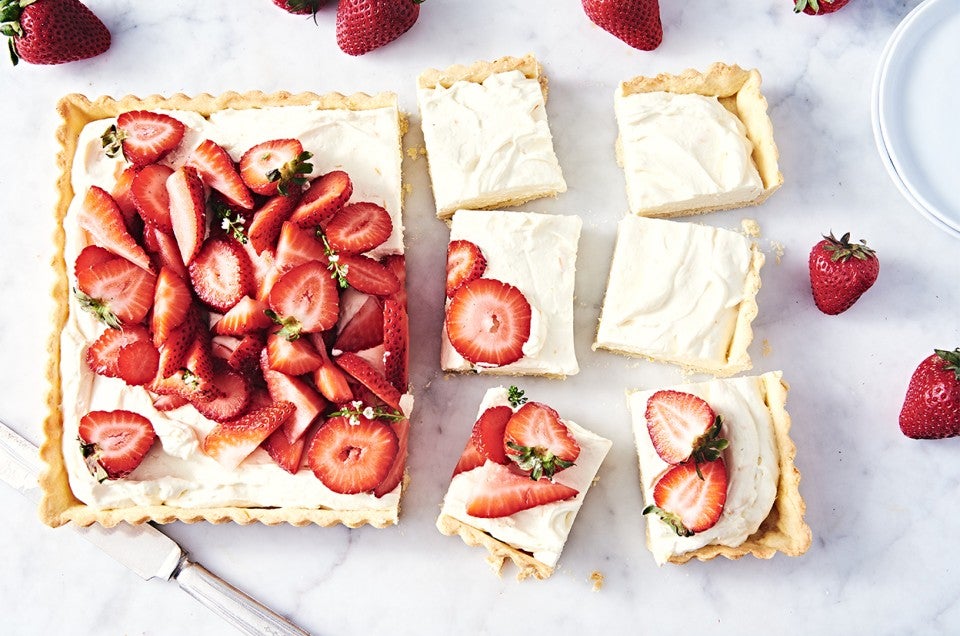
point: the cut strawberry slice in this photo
(229, 443)
(324, 198)
(364, 329)
(122, 194)
(116, 291)
(100, 216)
(174, 349)
(309, 404)
(171, 303)
(217, 171)
(126, 353)
(330, 379)
(149, 192)
(689, 497)
(681, 426)
(499, 492)
(143, 136)
(401, 428)
(187, 211)
(297, 246)
(268, 221)
(233, 393)
(287, 454)
(89, 256)
(293, 357)
(246, 356)
(397, 264)
(221, 274)
(469, 459)
(488, 433)
(114, 443)
(396, 351)
(276, 166)
(538, 441)
(246, 316)
(306, 299)
(465, 262)
(352, 458)
(369, 377)
(488, 322)
(358, 228)
(367, 275)
(167, 402)
(197, 371)
(162, 246)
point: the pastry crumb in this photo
(596, 577)
(416, 153)
(750, 228)
(777, 250)
(766, 349)
(407, 189)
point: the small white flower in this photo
(225, 223)
(334, 258)
(354, 420)
(241, 220)
(356, 404)
(368, 413)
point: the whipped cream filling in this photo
(542, 530)
(683, 152)
(674, 291)
(489, 142)
(366, 144)
(751, 460)
(537, 254)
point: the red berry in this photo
(931, 408)
(488, 322)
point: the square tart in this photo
(738, 91)
(59, 503)
(477, 119)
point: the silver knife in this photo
(147, 551)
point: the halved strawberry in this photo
(306, 299)
(246, 316)
(293, 357)
(162, 247)
(171, 302)
(488, 433)
(287, 454)
(100, 216)
(176, 346)
(114, 443)
(246, 356)
(309, 404)
(232, 398)
(538, 441)
(218, 172)
(358, 228)
(122, 194)
(297, 246)
(229, 443)
(469, 459)
(681, 426)
(221, 273)
(139, 360)
(89, 256)
(330, 379)
(143, 136)
(369, 377)
(401, 428)
(269, 219)
(278, 165)
(396, 338)
(364, 329)
(488, 322)
(167, 402)
(367, 275)
(324, 198)
(501, 492)
(149, 192)
(116, 291)
(397, 264)
(187, 211)
(352, 458)
(465, 262)
(197, 371)
(688, 502)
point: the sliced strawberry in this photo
(682, 425)
(369, 377)
(306, 299)
(149, 192)
(162, 246)
(324, 198)
(397, 264)
(246, 356)
(293, 357)
(687, 502)
(269, 219)
(229, 443)
(367, 275)
(187, 211)
(167, 402)
(114, 443)
(174, 349)
(122, 194)
(171, 302)
(501, 492)
(296, 246)
(137, 363)
(309, 404)
(221, 273)
(465, 262)
(488, 432)
(233, 392)
(469, 459)
(126, 353)
(222, 347)
(488, 322)
(144, 136)
(358, 228)
(352, 458)
(538, 441)
(116, 291)
(401, 428)
(396, 338)
(364, 329)
(198, 370)
(100, 216)
(246, 316)
(287, 454)
(330, 379)
(218, 172)
(89, 256)
(275, 166)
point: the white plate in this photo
(916, 110)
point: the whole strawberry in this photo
(840, 272)
(636, 22)
(299, 7)
(931, 409)
(52, 31)
(818, 7)
(365, 25)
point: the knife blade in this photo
(147, 551)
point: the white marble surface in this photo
(882, 508)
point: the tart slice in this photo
(520, 482)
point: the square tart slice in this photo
(223, 447)
(495, 502)
(486, 135)
(695, 142)
(510, 284)
(681, 293)
(763, 512)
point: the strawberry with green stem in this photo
(52, 31)
(931, 407)
(840, 272)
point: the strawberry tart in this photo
(695, 142)
(486, 135)
(510, 283)
(717, 471)
(231, 331)
(681, 293)
(520, 482)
